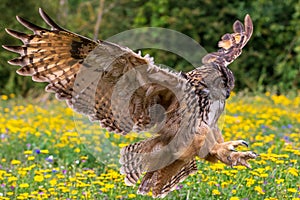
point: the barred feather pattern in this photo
(134, 159)
(166, 180)
(188, 169)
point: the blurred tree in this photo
(270, 60)
(10, 81)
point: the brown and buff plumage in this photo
(121, 89)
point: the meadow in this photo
(49, 152)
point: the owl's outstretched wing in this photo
(107, 82)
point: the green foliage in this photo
(270, 61)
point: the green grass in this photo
(48, 152)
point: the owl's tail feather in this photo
(137, 158)
(187, 169)
(165, 180)
(134, 159)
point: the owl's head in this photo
(218, 81)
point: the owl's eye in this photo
(223, 84)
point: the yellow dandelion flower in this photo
(104, 189)
(279, 161)
(14, 184)
(212, 183)
(30, 158)
(109, 186)
(278, 181)
(292, 190)
(293, 161)
(38, 178)
(44, 151)
(15, 162)
(293, 171)
(48, 176)
(61, 184)
(216, 192)
(12, 178)
(65, 190)
(121, 145)
(217, 166)
(30, 167)
(24, 185)
(37, 134)
(4, 97)
(234, 198)
(28, 152)
(224, 184)
(250, 182)
(263, 175)
(77, 150)
(259, 190)
(239, 167)
(74, 192)
(61, 187)
(60, 176)
(131, 196)
(9, 193)
(72, 179)
(84, 157)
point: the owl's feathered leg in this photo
(165, 165)
(226, 153)
(160, 177)
(170, 178)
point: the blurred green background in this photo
(270, 61)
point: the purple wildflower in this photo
(179, 187)
(37, 151)
(49, 158)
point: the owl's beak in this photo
(227, 93)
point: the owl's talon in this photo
(245, 143)
(226, 153)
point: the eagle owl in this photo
(125, 92)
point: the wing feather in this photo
(108, 83)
